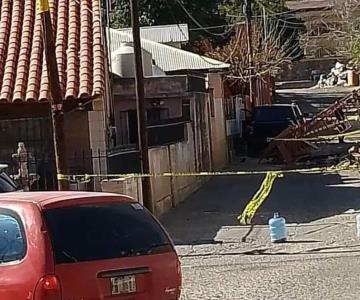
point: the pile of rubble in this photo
(333, 123)
(340, 75)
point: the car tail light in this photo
(179, 275)
(48, 288)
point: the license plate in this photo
(123, 285)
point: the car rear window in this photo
(274, 114)
(12, 239)
(99, 232)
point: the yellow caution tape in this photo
(74, 178)
(42, 6)
(61, 177)
(251, 208)
(317, 170)
(254, 204)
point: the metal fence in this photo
(36, 171)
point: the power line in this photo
(206, 59)
(174, 18)
(273, 13)
(259, 16)
(206, 29)
(197, 23)
(267, 8)
(216, 27)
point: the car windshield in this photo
(6, 183)
(98, 232)
(274, 114)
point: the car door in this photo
(13, 249)
(22, 250)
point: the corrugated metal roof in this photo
(163, 34)
(166, 57)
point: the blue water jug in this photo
(277, 227)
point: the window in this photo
(12, 239)
(107, 231)
(156, 114)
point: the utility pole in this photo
(140, 106)
(248, 14)
(56, 95)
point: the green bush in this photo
(355, 51)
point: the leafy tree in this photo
(163, 12)
(236, 7)
(221, 16)
(347, 31)
(355, 52)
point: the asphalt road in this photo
(274, 278)
(222, 260)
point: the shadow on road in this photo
(300, 198)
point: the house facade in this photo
(185, 121)
(181, 131)
(25, 96)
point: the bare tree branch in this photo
(268, 52)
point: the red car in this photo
(83, 246)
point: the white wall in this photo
(167, 192)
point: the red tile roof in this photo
(79, 50)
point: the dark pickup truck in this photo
(267, 122)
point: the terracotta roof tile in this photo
(25, 52)
(79, 50)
